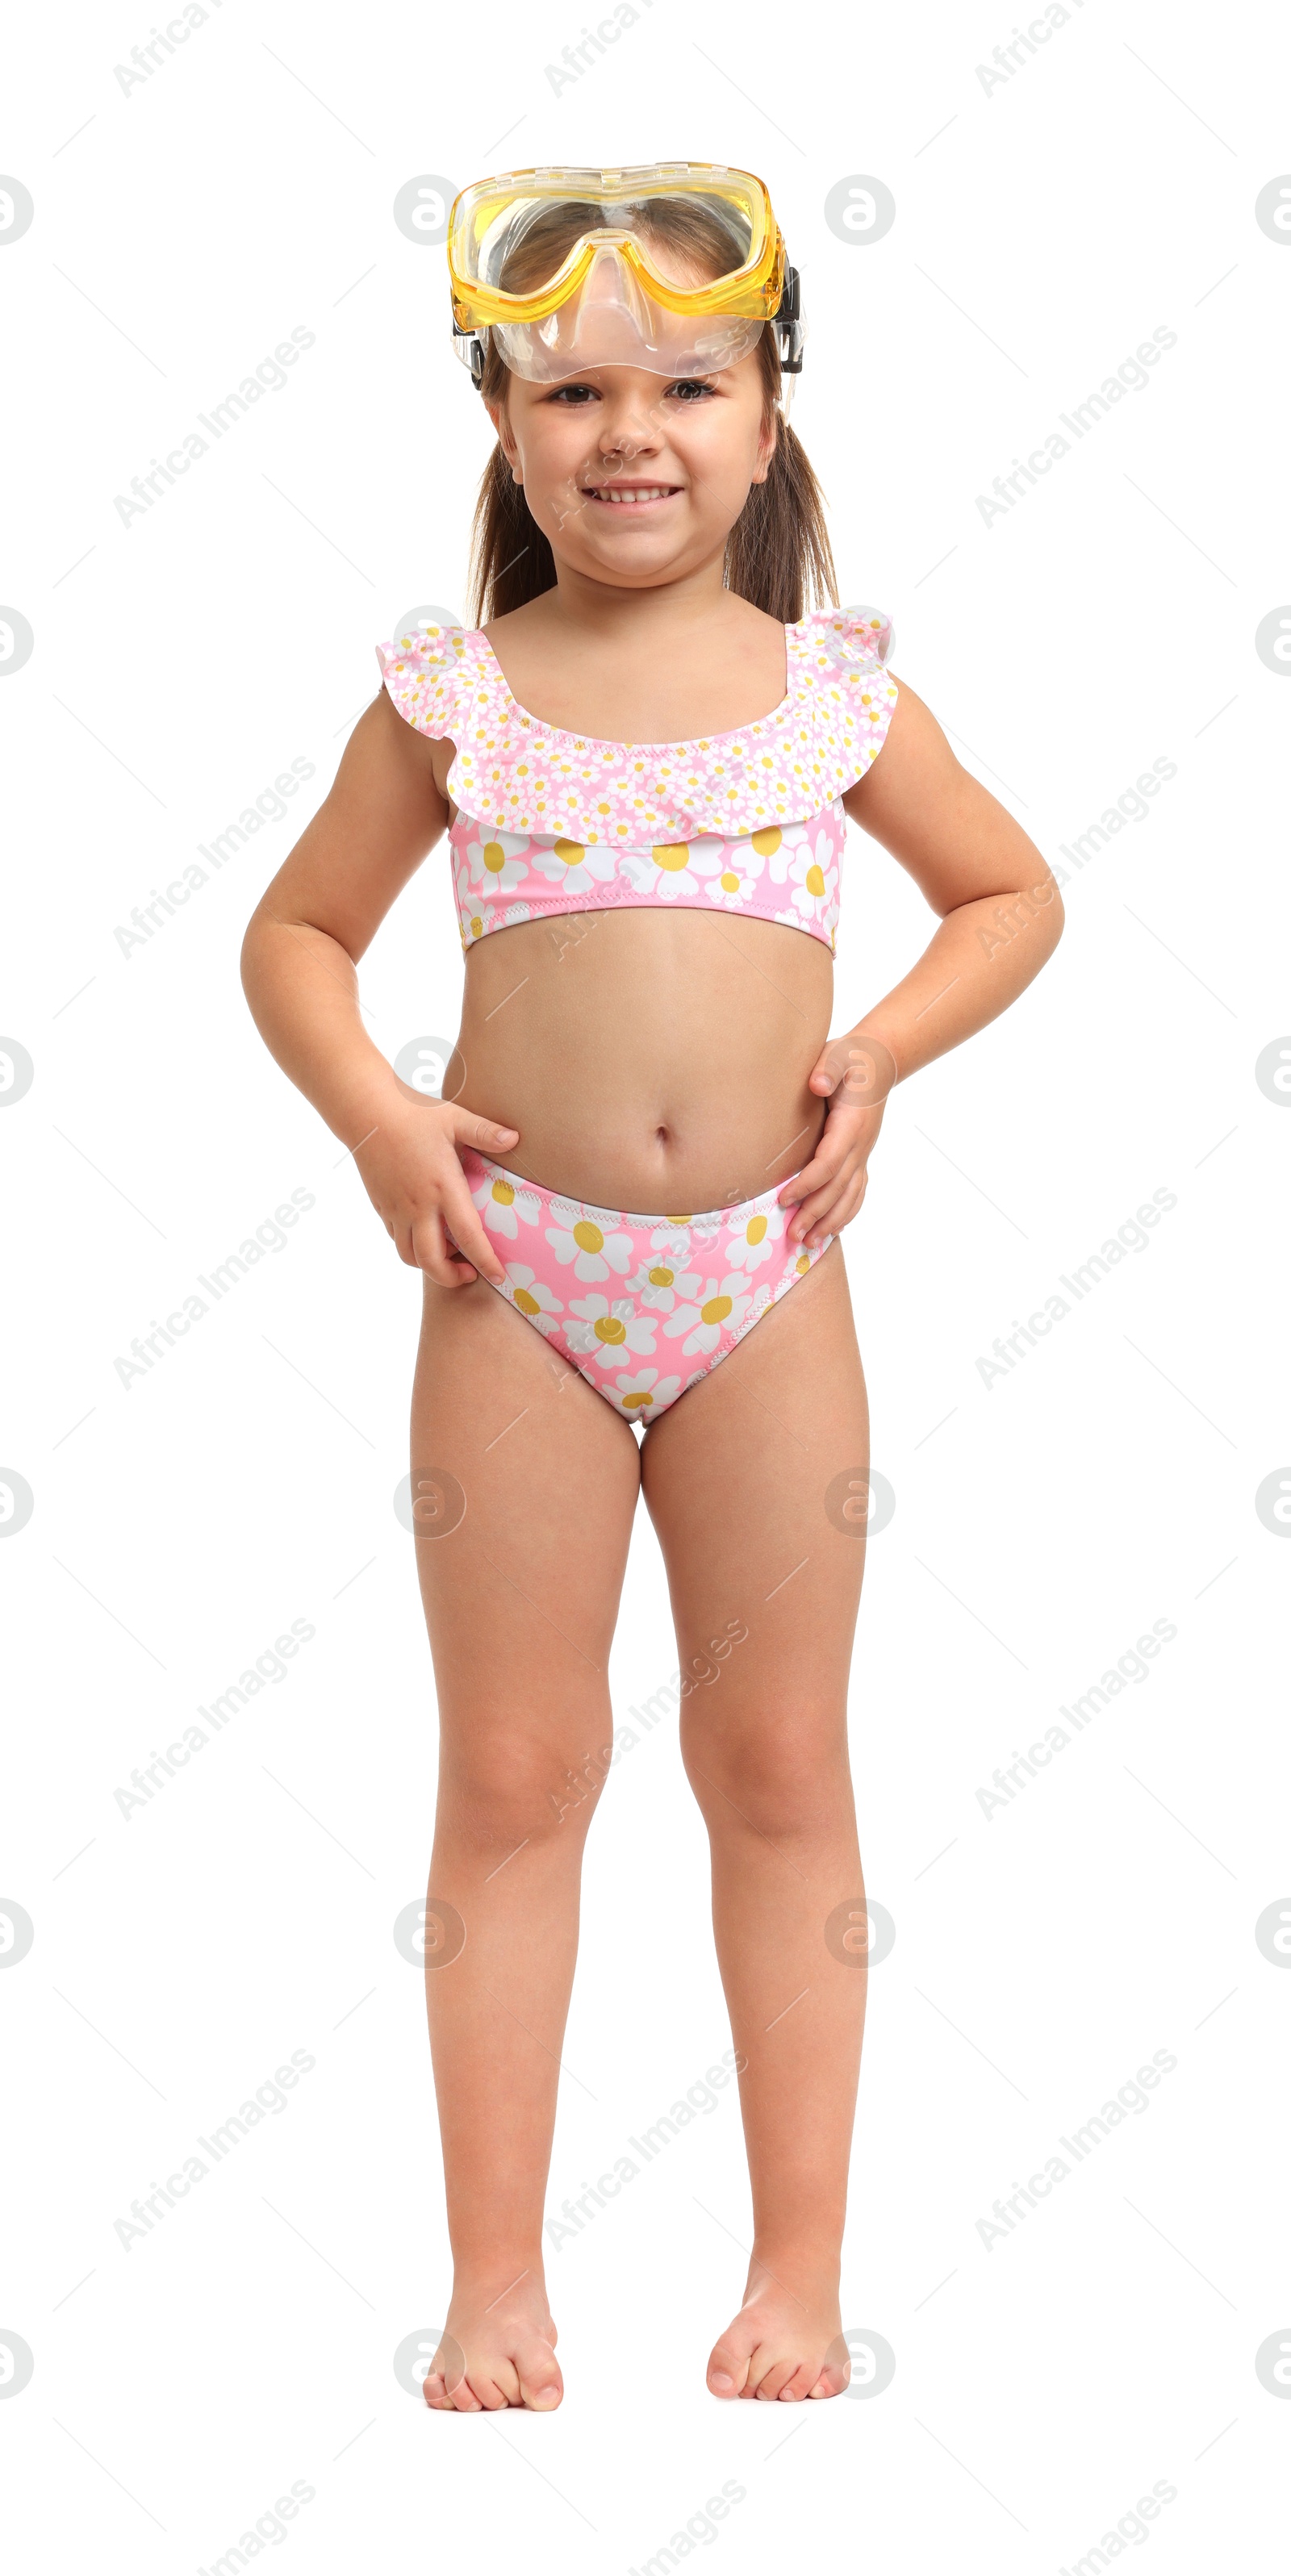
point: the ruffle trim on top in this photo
(513, 773)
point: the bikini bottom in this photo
(641, 1306)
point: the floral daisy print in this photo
(550, 822)
(642, 1306)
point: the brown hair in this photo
(778, 552)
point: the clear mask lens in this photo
(612, 322)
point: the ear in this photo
(497, 412)
(767, 442)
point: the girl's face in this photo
(633, 480)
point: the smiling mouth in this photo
(631, 496)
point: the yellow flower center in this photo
(716, 1311)
(679, 1220)
(671, 855)
(642, 1399)
(730, 882)
(503, 1193)
(661, 1278)
(570, 851)
(587, 1236)
(766, 843)
(477, 926)
(814, 881)
(495, 857)
(609, 1328)
(802, 1263)
(528, 1305)
(755, 1229)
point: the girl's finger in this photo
(832, 1219)
(434, 1252)
(817, 1201)
(820, 1212)
(842, 1137)
(467, 1233)
(483, 1133)
(823, 1168)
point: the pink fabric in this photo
(641, 1306)
(788, 875)
(551, 822)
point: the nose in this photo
(630, 423)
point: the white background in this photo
(1044, 228)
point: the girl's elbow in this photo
(1052, 912)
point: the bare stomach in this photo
(652, 1061)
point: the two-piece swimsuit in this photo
(550, 824)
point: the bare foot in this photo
(497, 2349)
(787, 2338)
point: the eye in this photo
(574, 397)
(687, 388)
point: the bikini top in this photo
(550, 822)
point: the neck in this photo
(605, 609)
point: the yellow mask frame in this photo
(486, 216)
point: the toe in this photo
(835, 2370)
(832, 2381)
(727, 2370)
(446, 2375)
(763, 2357)
(541, 2386)
(777, 2374)
(800, 2381)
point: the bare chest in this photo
(660, 694)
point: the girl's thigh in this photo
(756, 1481)
(524, 1484)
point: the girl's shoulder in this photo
(434, 674)
(846, 637)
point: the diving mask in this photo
(675, 266)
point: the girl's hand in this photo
(855, 1073)
(410, 1170)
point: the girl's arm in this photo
(1002, 917)
(302, 946)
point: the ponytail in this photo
(778, 554)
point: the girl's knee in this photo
(515, 1794)
(788, 1778)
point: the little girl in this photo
(626, 1205)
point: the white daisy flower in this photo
(501, 1204)
(495, 861)
(788, 841)
(721, 1310)
(673, 869)
(740, 865)
(575, 867)
(593, 1250)
(609, 1329)
(659, 1284)
(732, 887)
(811, 871)
(755, 1241)
(645, 1392)
(532, 1295)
